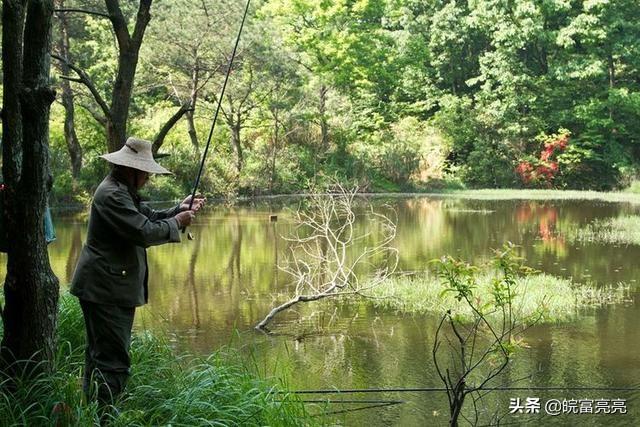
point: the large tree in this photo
(115, 115)
(30, 287)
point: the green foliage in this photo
(634, 187)
(385, 94)
(461, 279)
(491, 164)
(459, 276)
(162, 188)
(407, 145)
(492, 333)
(588, 163)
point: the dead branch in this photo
(326, 253)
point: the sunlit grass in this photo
(634, 187)
(528, 194)
(623, 230)
(166, 388)
(550, 298)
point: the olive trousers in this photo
(107, 360)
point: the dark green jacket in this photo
(112, 268)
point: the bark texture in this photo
(128, 52)
(30, 288)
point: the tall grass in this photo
(165, 388)
(622, 230)
(550, 298)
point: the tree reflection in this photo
(191, 285)
(233, 265)
(74, 252)
(544, 217)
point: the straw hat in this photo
(136, 153)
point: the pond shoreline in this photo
(228, 279)
(479, 194)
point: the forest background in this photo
(389, 95)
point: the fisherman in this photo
(111, 276)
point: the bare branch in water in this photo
(324, 260)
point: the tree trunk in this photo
(236, 142)
(117, 115)
(612, 81)
(30, 288)
(73, 145)
(129, 49)
(324, 125)
(120, 100)
(274, 149)
(164, 130)
(458, 392)
(193, 99)
(193, 135)
(233, 118)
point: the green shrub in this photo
(491, 164)
(589, 164)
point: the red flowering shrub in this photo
(524, 171)
(541, 171)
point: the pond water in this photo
(210, 292)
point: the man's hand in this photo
(198, 202)
(184, 218)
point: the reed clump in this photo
(544, 296)
(622, 230)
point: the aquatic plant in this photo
(486, 310)
(479, 350)
(543, 194)
(560, 298)
(622, 230)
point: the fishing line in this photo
(215, 117)
(443, 389)
(371, 404)
(390, 402)
(344, 411)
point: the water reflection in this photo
(227, 279)
(191, 285)
(74, 253)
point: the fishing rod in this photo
(215, 117)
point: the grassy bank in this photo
(165, 388)
(553, 298)
(525, 194)
(438, 188)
